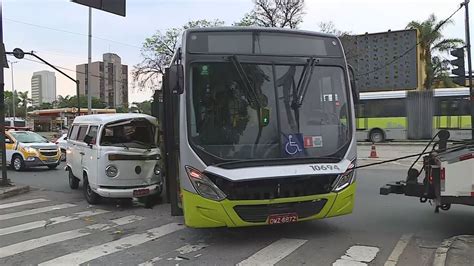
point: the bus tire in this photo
(91, 197)
(376, 136)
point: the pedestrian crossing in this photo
(66, 234)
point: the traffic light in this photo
(459, 69)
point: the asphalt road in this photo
(380, 224)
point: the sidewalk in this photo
(13, 190)
(458, 250)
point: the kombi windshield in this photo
(133, 133)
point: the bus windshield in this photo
(226, 124)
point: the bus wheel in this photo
(376, 136)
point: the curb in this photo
(441, 252)
(13, 191)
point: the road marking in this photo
(63, 236)
(108, 248)
(273, 253)
(150, 262)
(357, 255)
(35, 211)
(19, 203)
(398, 250)
(52, 221)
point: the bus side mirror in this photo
(176, 79)
(354, 89)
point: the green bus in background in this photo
(386, 115)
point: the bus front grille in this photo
(274, 188)
(260, 213)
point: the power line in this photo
(410, 49)
(71, 32)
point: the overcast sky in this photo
(57, 29)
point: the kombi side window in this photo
(82, 133)
(73, 132)
(93, 133)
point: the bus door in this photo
(361, 119)
(448, 116)
(171, 143)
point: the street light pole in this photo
(89, 61)
(13, 92)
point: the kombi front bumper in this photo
(120, 192)
(200, 212)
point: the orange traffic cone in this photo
(373, 152)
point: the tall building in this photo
(43, 87)
(109, 80)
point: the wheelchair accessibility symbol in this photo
(294, 144)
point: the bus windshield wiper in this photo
(300, 91)
(250, 92)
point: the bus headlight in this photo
(111, 171)
(345, 179)
(205, 187)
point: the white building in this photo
(43, 87)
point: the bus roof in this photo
(440, 92)
(259, 29)
(107, 118)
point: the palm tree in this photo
(432, 41)
(24, 101)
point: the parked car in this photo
(114, 156)
(26, 149)
(62, 143)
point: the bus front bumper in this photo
(200, 212)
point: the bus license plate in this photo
(282, 218)
(141, 192)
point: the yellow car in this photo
(26, 149)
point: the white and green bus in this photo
(259, 127)
(386, 115)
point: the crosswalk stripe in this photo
(273, 253)
(52, 221)
(35, 211)
(63, 236)
(19, 203)
(108, 248)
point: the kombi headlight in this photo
(203, 185)
(345, 179)
(111, 171)
(157, 170)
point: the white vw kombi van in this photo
(114, 156)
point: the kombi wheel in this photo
(17, 163)
(91, 197)
(73, 181)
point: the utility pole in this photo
(469, 64)
(89, 60)
(5, 181)
(13, 92)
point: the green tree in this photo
(71, 101)
(274, 13)
(24, 101)
(330, 27)
(432, 41)
(158, 50)
(143, 107)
